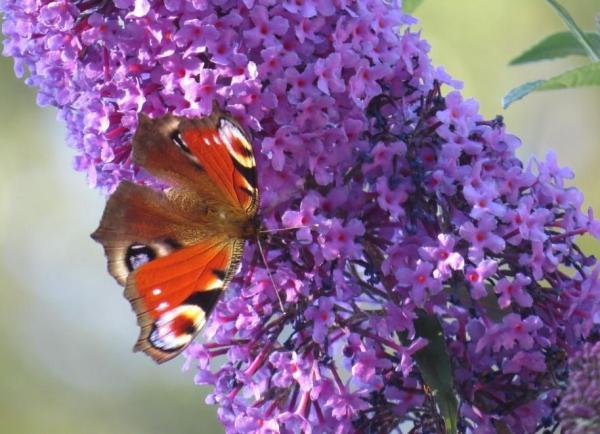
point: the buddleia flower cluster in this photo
(406, 210)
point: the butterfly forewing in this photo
(219, 145)
(176, 250)
(173, 295)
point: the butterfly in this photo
(176, 250)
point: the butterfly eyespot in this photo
(137, 255)
(177, 327)
(236, 143)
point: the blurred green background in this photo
(65, 360)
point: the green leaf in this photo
(575, 30)
(520, 91)
(434, 364)
(588, 75)
(557, 45)
(409, 6)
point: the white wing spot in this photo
(156, 291)
(214, 283)
(163, 306)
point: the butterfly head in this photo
(252, 228)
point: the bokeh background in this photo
(65, 330)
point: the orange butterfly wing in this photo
(214, 147)
(223, 151)
(175, 251)
(173, 295)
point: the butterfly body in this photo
(176, 250)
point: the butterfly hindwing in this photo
(138, 225)
(155, 149)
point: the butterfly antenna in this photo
(264, 258)
(292, 228)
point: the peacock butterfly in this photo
(176, 250)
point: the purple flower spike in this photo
(398, 202)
